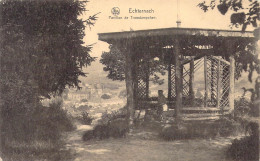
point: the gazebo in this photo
(184, 51)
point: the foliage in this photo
(122, 94)
(40, 124)
(201, 129)
(246, 56)
(114, 62)
(84, 100)
(41, 53)
(242, 107)
(107, 117)
(112, 124)
(86, 119)
(241, 14)
(105, 96)
(246, 148)
(251, 108)
(44, 39)
(116, 128)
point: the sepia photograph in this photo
(136, 80)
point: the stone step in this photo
(201, 118)
(198, 115)
(192, 110)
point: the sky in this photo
(165, 12)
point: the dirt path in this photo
(137, 149)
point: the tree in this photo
(241, 14)
(246, 54)
(41, 53)
(42, 40)
(114, 62)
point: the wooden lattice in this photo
(173, 87)
(142, 80)
(185, 82)
(224, 102)
(212, 74)
(218, 82)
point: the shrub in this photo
(40, 123)
(227, 126)
(242, 107)
(106, 117)
(247, 148)
(84, 107)
(105, 96)
(174, 133)
(115, 129)
(86, 119)
(110, 125)
(201, 129)
(122, 94)
(118, 128)
(84, 100)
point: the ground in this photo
(144, 147)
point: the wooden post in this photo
(206, 81)
(218, 85)
(232, 82)
(212, 81)
(191, 83)
(230, 45)
(178, 79)
(169, 80)
(147, 78)
(129, 79)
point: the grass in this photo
(247, 148)
(36, 133)
(201, 129)
(36, 150)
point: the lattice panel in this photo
(217, 68)
(224, 102)
(142, 80)
(173, 90)
(185, 82)
(212, 74)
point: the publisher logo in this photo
(115, 11)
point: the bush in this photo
(242, 107)
(201, 129)
(40, 123)
(86, 119)
(84, 107)
(122, 94)
(105, 96)
(110, 125)
(247, 148)
(106, 117)
(115, 129)
(174, 133)
(84, 100)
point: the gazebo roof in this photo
(172, 32)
